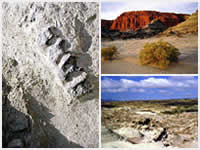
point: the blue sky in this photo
(110, 9)
(148, 87)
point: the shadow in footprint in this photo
(84, 38)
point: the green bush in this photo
(109, 53)
(158, 54)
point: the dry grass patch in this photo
(109, 53)
(158, 54)
(190, 25)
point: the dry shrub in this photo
(158, 54)
(109, 53)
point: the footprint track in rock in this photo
(56, 48)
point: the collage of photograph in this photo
(99, 74)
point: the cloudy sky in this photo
(110, 9)
(149, 87)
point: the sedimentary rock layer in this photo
(136, 20)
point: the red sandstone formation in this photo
(136, 20)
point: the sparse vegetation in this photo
(158, 54)
(118, 114)
(190, 25)
(109, 53)
(181, 109)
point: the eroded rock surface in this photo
(139, 24)
(137, 124)
(136, 20)
(72, 75)
(17, 124)
(50, 64)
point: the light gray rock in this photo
(67, 70)
(42, 80)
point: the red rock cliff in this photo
(135, 20)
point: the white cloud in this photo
(138, 90)
(163, 91)
(155, 83)
(128, 83)
(178, 78)
(109, 83)
(122, 85)
(115, 90)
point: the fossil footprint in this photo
(55, 48)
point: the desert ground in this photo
(128, 62)
(153, 124)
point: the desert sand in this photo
(128, 62)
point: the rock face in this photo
(156, 25)
(136, 20)
(153, 28)
(50, 64)
(139, 24)
(106, 24)
(17, 125)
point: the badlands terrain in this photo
(129, 33)
(153, 124)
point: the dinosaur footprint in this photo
(55, 49)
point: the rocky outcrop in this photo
(50, 62)
(17, 125)
(141, 123)
(106, 24)
(139, 24)
(136, 20)
(155, 27)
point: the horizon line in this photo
(150, 99)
